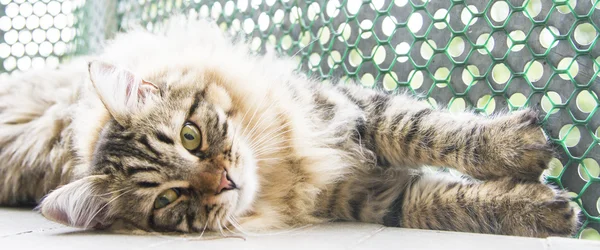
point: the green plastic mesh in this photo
(36, 34)
(490, 56)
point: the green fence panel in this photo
(487, 56)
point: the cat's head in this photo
(169, 158)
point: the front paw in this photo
(518, 145)
(557, 217)
(537, 210)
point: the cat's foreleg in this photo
(441, 201)
(502, 206)
(406, 132)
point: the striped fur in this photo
(299, 151)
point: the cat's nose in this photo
(226, 183)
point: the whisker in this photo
(256, 125)
(272, 146)
(268, 109)
(321, 144)
(271, 150)
(269, 137)
(204, 229)
(89, 221)
(265, 149)
(261, 118)
(220, 227)
(112, 192)
(316, 39)
(306, 46)
(255, 110)
(238, 227)
(246, 113)
(229, 229)
(197, 238)
(228, 236)
(273, 143)
(257, 139)
(267, 159)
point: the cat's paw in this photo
(537, 210)
(556, 217)
(517, 145)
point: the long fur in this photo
(299, 151)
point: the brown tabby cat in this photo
(187, 131)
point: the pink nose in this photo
(226, 183)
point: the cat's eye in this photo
(166, 197)
(190, 136)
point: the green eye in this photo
(166, 197)
(190, 137)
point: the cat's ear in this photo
(81, 203)
(122, 92)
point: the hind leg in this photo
(35, 145)
(503, 206)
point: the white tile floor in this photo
(24, 229)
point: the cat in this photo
(186, 131)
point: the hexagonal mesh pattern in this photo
(36, 34)
(490, 56)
